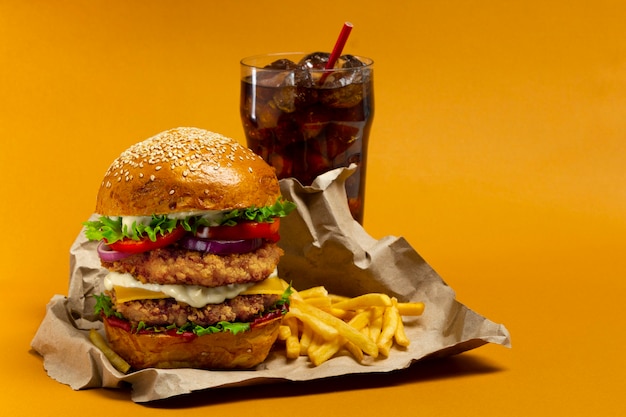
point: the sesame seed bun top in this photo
(186, 169)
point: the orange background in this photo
(497, 151)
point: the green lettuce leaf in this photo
(280, 208)
(112, 230)
(222, 326)
(104, 305)
(284, 298)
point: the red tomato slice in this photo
(243, 230)
(145, 244)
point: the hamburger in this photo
(188, 224)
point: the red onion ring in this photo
(220, 247)
(109, 255)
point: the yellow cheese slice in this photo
(272, 285)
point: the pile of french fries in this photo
(321, 325)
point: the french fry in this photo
(334, 298)
(360, 320)
(341, 314)
(305, 339)
(324, 329)
(292, 324)
(283, 332)
(313, 292)
(116, 360)
(364, 301)
(292, 344)
(320, 353)
(350, 333)
(317, 341)
(354, 351)
(400, 336)
(390, 324)
(376, 321)
(411, 309)
(366, 331)
(292, 347)
(321, 302)
(385, 348)
(320, 325)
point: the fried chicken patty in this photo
(175, 265)
(163, 312)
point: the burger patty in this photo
(175, 265)
(163, 312)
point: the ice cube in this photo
(279, 73)
(282, 64)
(287, 130)
(289, 98)
(285, 98)
(349, 61)
(339, 137)
(352, 114)
(313, 120)
(349, 70)
(341, 97)
(285, 73)
(315, 61)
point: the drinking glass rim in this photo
(369, 62)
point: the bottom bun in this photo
(223, 350)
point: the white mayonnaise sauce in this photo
(212, 217)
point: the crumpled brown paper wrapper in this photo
(323, 246)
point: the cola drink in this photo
(305, 120)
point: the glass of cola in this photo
(305, 120)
